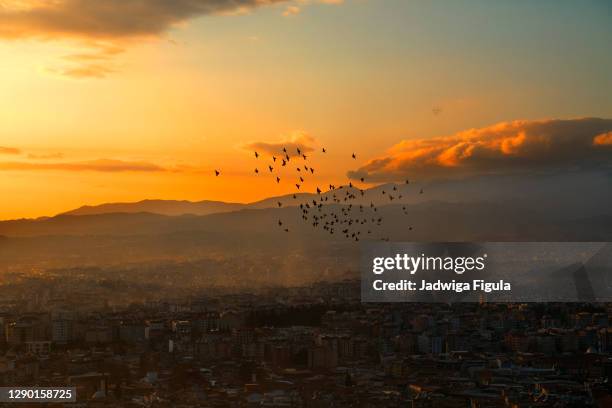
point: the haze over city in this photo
(147, 105)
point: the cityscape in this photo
(305, 203)
(306, 346)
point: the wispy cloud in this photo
(297, 140)
(100, 165)
(98, 70)
(9, 150)
(45, 156)
(518, 146)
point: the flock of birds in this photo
(349, 219)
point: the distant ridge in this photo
(206, 207)
(161, 207)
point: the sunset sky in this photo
(122, 100)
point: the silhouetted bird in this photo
(273, 158)
(217, 172)
(354, 156)
(256, 155)
(421, 192)
(280, 222)
(271, 168)
(284, 150)
(256, 171)
(278, 179)
(362, 179)
(324, 151)
(318, 190)
(299, 151)
(304, 156)
(280, 204)
(298, 186)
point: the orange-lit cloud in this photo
(605, 139)
(9, 150)
(505, 147)
(297, 140)
(101, 165)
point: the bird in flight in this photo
(278, 179)
(256, 171)
(324, 151)
(217, 172)
(256, 155)
(354, 156)
(271, 168)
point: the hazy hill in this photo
(165, 207)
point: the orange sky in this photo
(120, 111)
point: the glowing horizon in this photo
(146, 103)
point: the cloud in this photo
(301, 140)
(9, 150)
(83, 71)
(108, 19)
(100, 165)
(507, 147)
(106, 27)
(291, 11)
(45, 156)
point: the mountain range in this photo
(248, 237)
